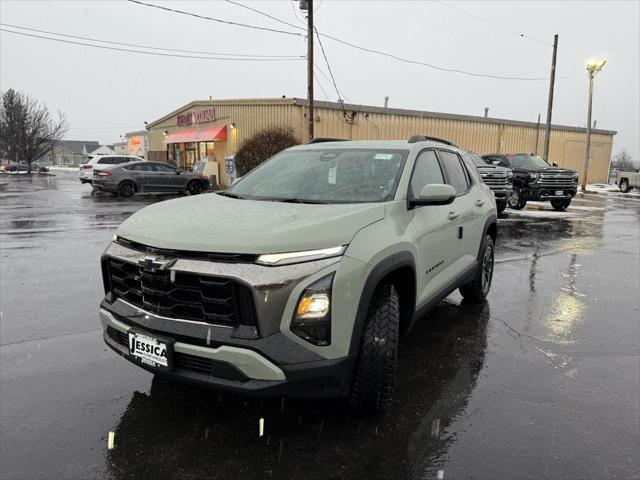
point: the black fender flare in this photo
(491, 220)
(381, 270)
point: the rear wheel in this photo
(126, 189)
(624, 186)
(500, 206)
(478, 288)
(194, 187)
(373, 375)
(560, 205)
(516, 200)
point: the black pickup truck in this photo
(497, 178)
(536, 180)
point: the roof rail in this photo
(424, 138)
(323, 140)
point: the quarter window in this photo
(426, 171)
(456, 173)
(106, 161)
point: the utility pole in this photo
(535, 148)
(309, 7)
(593, 67)
(550, 104)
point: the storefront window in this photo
(190, 154)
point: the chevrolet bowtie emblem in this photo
(152, 263)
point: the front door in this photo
(436, 231)
(168, 178)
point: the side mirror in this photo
(555, 164)
(434, 194)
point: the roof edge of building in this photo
(444, 116)
(370, 109)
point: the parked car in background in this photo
(326, 254)
(147, 177)
(102, 161)
(498, 179)
(536, 180)
(628, 180)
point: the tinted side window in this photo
(456, 173)
(164, 168)
(145, 167)
(426, 171)
(106, 161)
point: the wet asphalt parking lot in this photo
(542, 381)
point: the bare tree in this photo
(623, 161)
(263, 145)
(27, 129)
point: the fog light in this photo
(312, 319)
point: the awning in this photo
(197, 135)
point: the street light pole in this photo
(593, 67)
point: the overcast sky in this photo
(106, 93)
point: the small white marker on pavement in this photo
(111, 440)
(261, 427)
(440, 475)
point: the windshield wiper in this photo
(231, 195)
(299, 200)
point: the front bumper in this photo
(237, 368)
(553, 193)
(502, 193)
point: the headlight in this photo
(510, 175)
(272, 259)
(575, 177)
(533, 176)
(312, 318)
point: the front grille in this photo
(495, 179)
(183, 295)
(193, 363)
(213, 257)
(551, 180)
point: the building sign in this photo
(197, 116)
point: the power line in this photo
(295, 13)
(329, 80)
(105, 47)
(149, 46)
(333, 79)
(497, 25)
(321, 87)
(265, 14)
(396, 57)
(227, 22)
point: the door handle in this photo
(453, 215)
(479, 203)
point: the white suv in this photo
(87, 165)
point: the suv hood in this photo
(217, 224)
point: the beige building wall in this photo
(356, 122)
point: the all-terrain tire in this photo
(624, 186)
(126, 189)
(372, 384)
(516, 200)
(500, 206)
(560, 205)
(478, 288)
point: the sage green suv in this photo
(300, 278)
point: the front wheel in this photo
(478, 288)
(516, 200)
(373, 375)
(560, 205)
(500, 206)
(194, 187)
(624, 186)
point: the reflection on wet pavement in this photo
(541, 381)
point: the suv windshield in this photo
(325, 176)
(528, 161)
(477, 160)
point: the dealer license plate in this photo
(149, 350)
(559, 192)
